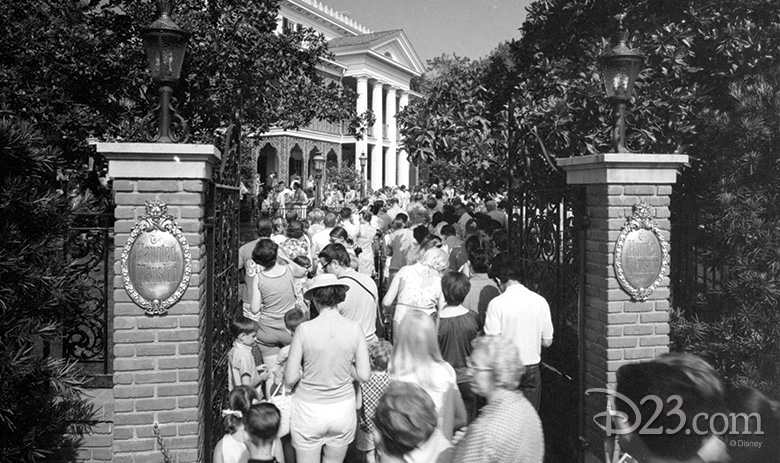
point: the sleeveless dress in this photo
(419, 288)
(233, 451)
(277, 298)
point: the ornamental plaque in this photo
(156, 262)
(641, 254)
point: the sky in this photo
(468, 28)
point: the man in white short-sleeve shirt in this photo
(524, 317)
(360, 304)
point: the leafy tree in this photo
(77, 69)
(695, 52)
(42, 411)
(343, 177)
(738, 323)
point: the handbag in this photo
(283, 402)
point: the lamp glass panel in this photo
(165, 53)
(619, 75)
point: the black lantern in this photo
(619, 69)
(165, 44)
(319, 163)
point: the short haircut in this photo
(264, 227)
(262, 422)
(418, 214)
(472, 243)
(366, 215)
(295, 229)
(379, 354)
(242, 325)
(293, 318)
(448, 230)
(435, 258)
(265, 253)
(431, 203)
(405, 417)
(480, 260)
(500, 239)
(289, 216)
(455, 286)
(392, 201)
(329, 296)
(335, 252)
(329, 220)
(316, 215)
(302, 260)
(664, 380)
(507, 271)
(503, 358)
(346, 213)
(420, 232)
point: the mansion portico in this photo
(379, 67)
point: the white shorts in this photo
(313, 425)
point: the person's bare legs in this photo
(270, 361)
(334, 454)
(309, 456)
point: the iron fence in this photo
(89, 247)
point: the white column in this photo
(390, 163)
(376, 153)
(403, 161)
(362, 106)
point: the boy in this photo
(292, 319)
(379, 354)
(241, 361)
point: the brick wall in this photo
(617, 329)
(157, 359)
(97, 446)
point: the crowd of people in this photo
(395, 328)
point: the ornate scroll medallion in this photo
(156, 262)
(641, 254)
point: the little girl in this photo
(231, 448)
(261, 428)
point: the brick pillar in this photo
(617, 329)
(157, 360)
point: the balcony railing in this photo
(329, 127)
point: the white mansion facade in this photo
(379, 67)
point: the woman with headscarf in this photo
(417, 286)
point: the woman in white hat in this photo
(327, 354)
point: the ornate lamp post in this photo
(363, 158)
(619, 68)
(165, 44)
(319, 163)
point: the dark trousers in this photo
(531, 385)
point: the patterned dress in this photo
(508, 430)
(372, 390)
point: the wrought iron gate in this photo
(546, 243)
(89, 246)
(222, 242)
